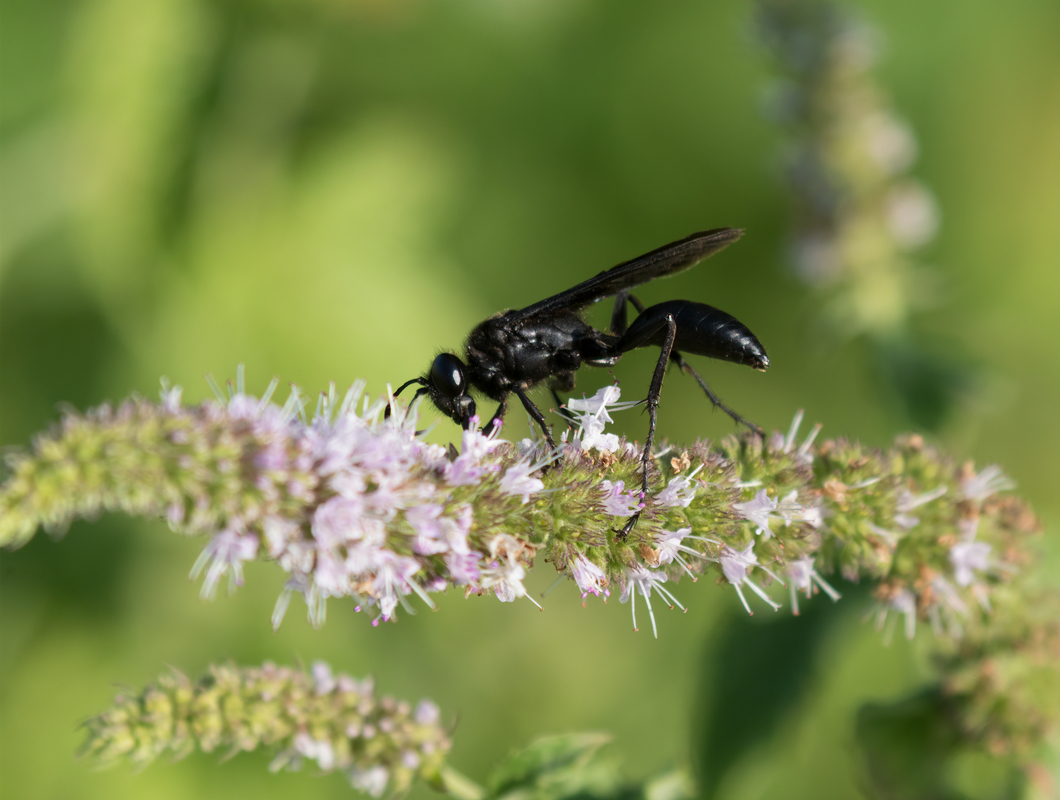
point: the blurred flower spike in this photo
(859, 214)
(354, 504)
(335, 721)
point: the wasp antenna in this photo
(403, 387)
(407, 384)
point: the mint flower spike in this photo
(381, 744)
(353, 504)
(804, 578)
(737, 566)
(646, 581)
(904, 604)
(594, 416)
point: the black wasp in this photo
(513, 351)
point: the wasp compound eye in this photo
(447, 375)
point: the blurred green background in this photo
(337, 189)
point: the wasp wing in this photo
(667, 260)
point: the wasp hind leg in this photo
(687, 368)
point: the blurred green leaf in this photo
(554, 767)
(910, 747)
(929, 383)
(754, 675)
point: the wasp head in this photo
(446, 385)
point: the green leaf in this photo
(912, 751)
(555, 767)
(754, 676)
